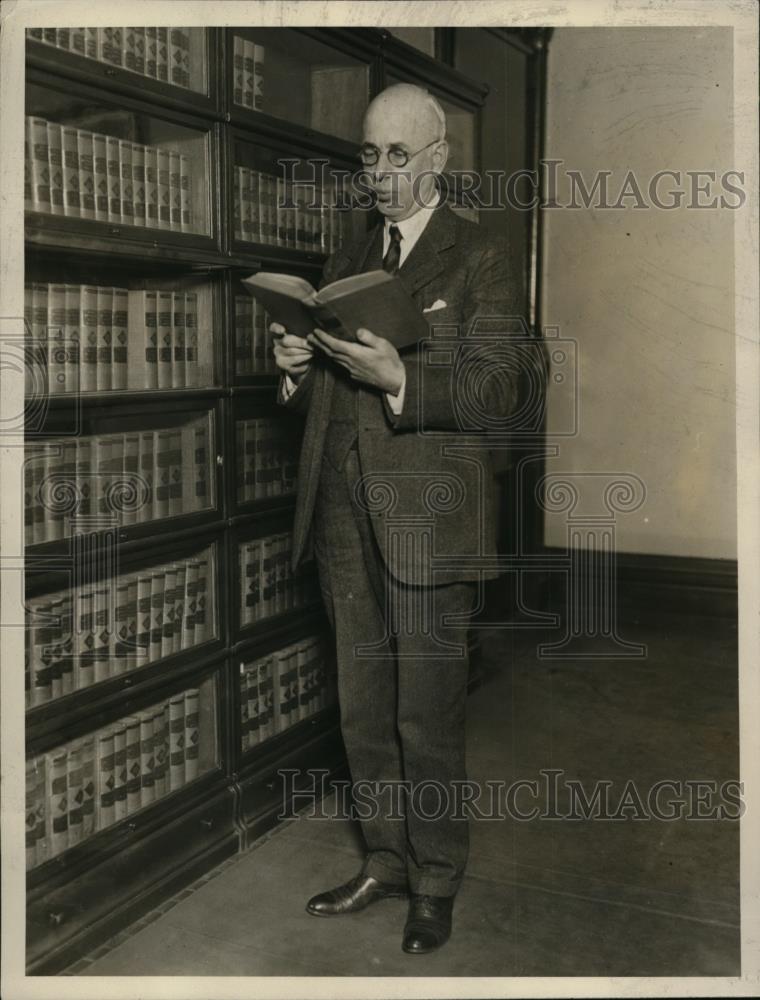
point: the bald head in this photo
(405, 121)
(407, 107)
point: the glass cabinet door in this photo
(86, 785)
(178, 56)
(120, 471)
(268, 585)
(284, 687)
(289, 75)
(88, 159)
(267, 449)
(97, 629)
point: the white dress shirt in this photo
(411, 229)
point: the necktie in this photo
(393, 255)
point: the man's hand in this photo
(373, 359)
(291, 354)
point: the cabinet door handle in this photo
(207, 824)
(56, 918)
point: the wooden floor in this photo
(551, 897)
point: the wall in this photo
(646, 294)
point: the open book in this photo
(374, 300)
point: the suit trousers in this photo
(402, 689)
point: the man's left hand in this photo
(373, 359)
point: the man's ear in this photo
(440, 156)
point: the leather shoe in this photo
(428, 925)
(358, 893)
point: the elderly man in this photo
(394, 495)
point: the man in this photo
(394, 494)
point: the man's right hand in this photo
(291, 354)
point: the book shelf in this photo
(174, 662)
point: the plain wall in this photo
(647, 295)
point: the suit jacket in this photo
(428, 474)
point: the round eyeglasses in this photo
(397, 157)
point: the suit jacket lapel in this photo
(424, 263)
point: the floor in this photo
(552, 897)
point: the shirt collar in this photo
(412, 227)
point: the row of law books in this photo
(160, 53)
(253, 350)
(283, 688)
(88, 784)
(90, 633)
(274, 211)
(248, 73)
(268, 584)
(94, 338)
(80, 174)
(115, 479)
(267, 459)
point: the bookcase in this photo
(174, 662)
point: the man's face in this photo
(393, 127)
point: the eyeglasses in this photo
(397, 157)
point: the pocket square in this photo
(438, 304)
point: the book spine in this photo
(30, 811)
(74, 794)
(88, 786)
(105, 765)
(151, 52)
(39, 305)
(121, 770)
(86, 174)
(176, 742)
(41, 654)
(104, 373)
(84, 477)
(88, 338)
(156, 615)
(130, 659)
(138, 183)
(267, 698)
(179, 608)
(63, 38)
(127, 192)
(147, 450)
(67, 645)
(203, 630)
(202, 496)
(175, 192)
(91, 43)
(190, 605)
(129, 49)
(112, 46)
(237, 204)
(164, 193)
(237, 70)
(113, 168)
(56, 345)
(164, 315)
(245, 721)
(120, 338)
(251, 578)
(260, 342)
(41, 810)
(28, 197)
(72, 339)
(283, 602)
(246, 209)
(147, 758)
(142, 339)
(178, 341)
(50, 36)
(139, 50)
(103, 633)
(248, 73)
(100, 176)
(258, 77)
(57, 831)
(176, 491)
(144, 619)
(40, 164)
(170, 601)
(151, 187)
(130, 471)
(121, 626)
(56, 648)
(70, 160)
(242, 338)
(162, 54)
(175, 56)
(254, 706)
(185, 191)
(268, 577)
(161, 752)
(134, 768)
(304, 680)
(55, 163)
(84, 637)
(282, 220)
(192, 734)
(192, 361)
